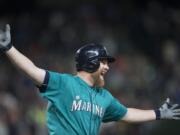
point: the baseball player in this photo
(78, 104)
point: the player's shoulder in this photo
(105, 92)
(60, 75)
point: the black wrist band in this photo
(158, 115)
(6, 48)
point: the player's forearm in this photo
(136, 115)
(26, 66)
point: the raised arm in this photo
(166, 111)
(20, 61)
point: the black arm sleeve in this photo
(43, 87)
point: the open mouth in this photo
(103, 73)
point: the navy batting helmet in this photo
(89, 56)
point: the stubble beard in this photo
(100, 82)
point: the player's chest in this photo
(88, 101)
(86, 97)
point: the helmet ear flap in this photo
(94, 65)
(90, 66)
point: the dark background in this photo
(142, 35)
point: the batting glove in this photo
(5, 39)
(168, 111)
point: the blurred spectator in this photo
(144, 37)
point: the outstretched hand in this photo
(5, 39)
(168, 111)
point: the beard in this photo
(100, 81)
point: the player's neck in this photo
(86, 77)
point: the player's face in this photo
(100, 73)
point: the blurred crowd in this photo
(144, 38)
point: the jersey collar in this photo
(86, 84)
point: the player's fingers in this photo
(8, 34)
(176, 111)
(168, 100)
(176, 118)
(176, 114)
(8, 27)
(174, 106)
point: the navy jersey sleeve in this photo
(52, 85)
(115, 111)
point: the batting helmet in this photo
(89, 56)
